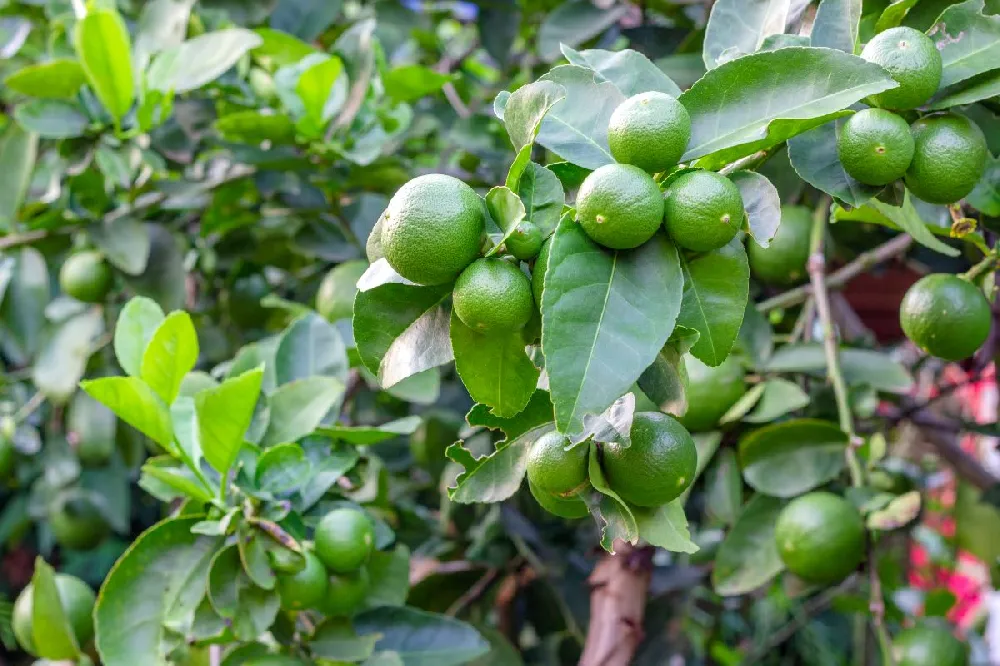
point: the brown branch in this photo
(941, 433)
(840, 277)
(618, 588)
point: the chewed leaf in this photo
(538, 412)
(616, 516)
(666, 526)
(495, 477)
(613, 425)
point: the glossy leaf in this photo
(134, 607)
(310, 346)
(837, 25)
(199, 61)
(336, 640)
(605, 317)
(22, 310)
(55, 79)
(62, 360)
(524, 110)
(170, 354)
(762, 204)
(125, 244)
(859, 366)
(280, 47)
(665, 527)
(908, 219)
(968, 40)
(18, 149)
(224, 415)
(716, 288)
(538, 412)
(50, 627)
(790, 458)
(724, 488)
(495, 477)
(411, 82)
(104, 50)
(138, 321)
(507, 210)
(51, 119)
(298, 407)
(630, 71)
(282, 468)
(421, 638)
(739, 27)
(166, 479)
(323, 91)
(748, 557)
(779, 397)
(778, 94)
(814, 157)
(136, 404)
(543, 197)
(367, 435)
(256, 126)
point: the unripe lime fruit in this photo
(783, 262)
(76, 523)
(659, 464)
(305, 589)
(710, 392)
(86, 277)
(650, 130)
(346, 593)
(945, 316)
(703, 210)
(526, 241)
(948, 160)
(929, 645)
(493, 295)
(820, 537)
(344, 540)
(619, 206)
(554, 470)
(875, 146)
(565, 507)
(77, 601)
(912, 60)
(432, 229)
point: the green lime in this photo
(77, 601)
(538, 272)
(875, 146)
(346, 593)
(945, 316)
(649, 130)
(433, 228)
(820, 537)
(92, 428)
(554, 470)
(783, 261)
(305, 589)
(6, 456)
(525, 242)
(929, 645)
(76, 523)
(262, 84)
(335, 298)
(710, 392)
(344, 540)
(619, 206)
(703, 210)
(285, 561)
(493, 295)
(912, 60)
(949, 159)
(86, 277)
(564, 507)
(659, 465)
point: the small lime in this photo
(875, 146)
(86, 277)
(783, 261)
(619, 206)
(912, 59)
(525, 242)
(493, 295)
(554, 470)
(344, 540)
(945, 316)
(650, 130)
(703, 210)
(710, 392)
(949, 158)
(305, 589)
(820, 537)
(346, 593)
(929, 645)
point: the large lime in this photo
(649, 130)
(783, 261)
(493, 295)
(619, 206)
(912, 59)
(703, 210)
(554, 470)
(820, 537)
(875, 146)
(659, 464)
(77, 601)
(344, 540)
(949, 158)
(945, 316)
(432, 229)
(710, 392)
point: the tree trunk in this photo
(618, 588)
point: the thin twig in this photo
(839, 278)
(474, 593)
(876, 606)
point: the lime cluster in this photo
(657, 465)
(77, 601)
(331, 577)
(941, 157)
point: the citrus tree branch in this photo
(840, 277)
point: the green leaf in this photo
(859, 366)
(986, 196)
(743, 406)
(138, 321)
(762, 205)
(55, 79)
(337, 641)
(507, 210)
(815, 158)
(392, 318)
(573, 23)
(390, 575)
(22, 310)
(663, 381)
(898, 512)
(161, 578)
(748, 557)
(310, 346)
(893, 15)
(50, 627)
(724, 488)
(779, 94)
(63, 358)
(630, 71)
(421, 638)
(780, 397)
(666, 527)
(495, 368)
(165, 275)
(716, 288)
(411, 82)
(170, 354)
(524, 110)
(224, 414)
(306, 19)
(282, 468)
(51, 119)
(739, 27)
(124, 242)
(367, 435)
(605, 317)
(542, 195)
(256, 126)
(136, 404)
(576, 128)
(162, 24)
(298, 407)
(538, 412)
(790, 458)
(495, 477)
(977, 522)
(975, 89)
(18, 149)
(908, 219)
(837, 25)
(281, 48)
(969, 42)
(104, 50)
(618, 521)
(166, 479)
(199, 61)
(323, 90)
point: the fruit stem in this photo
(985, 264)
(821, 296)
